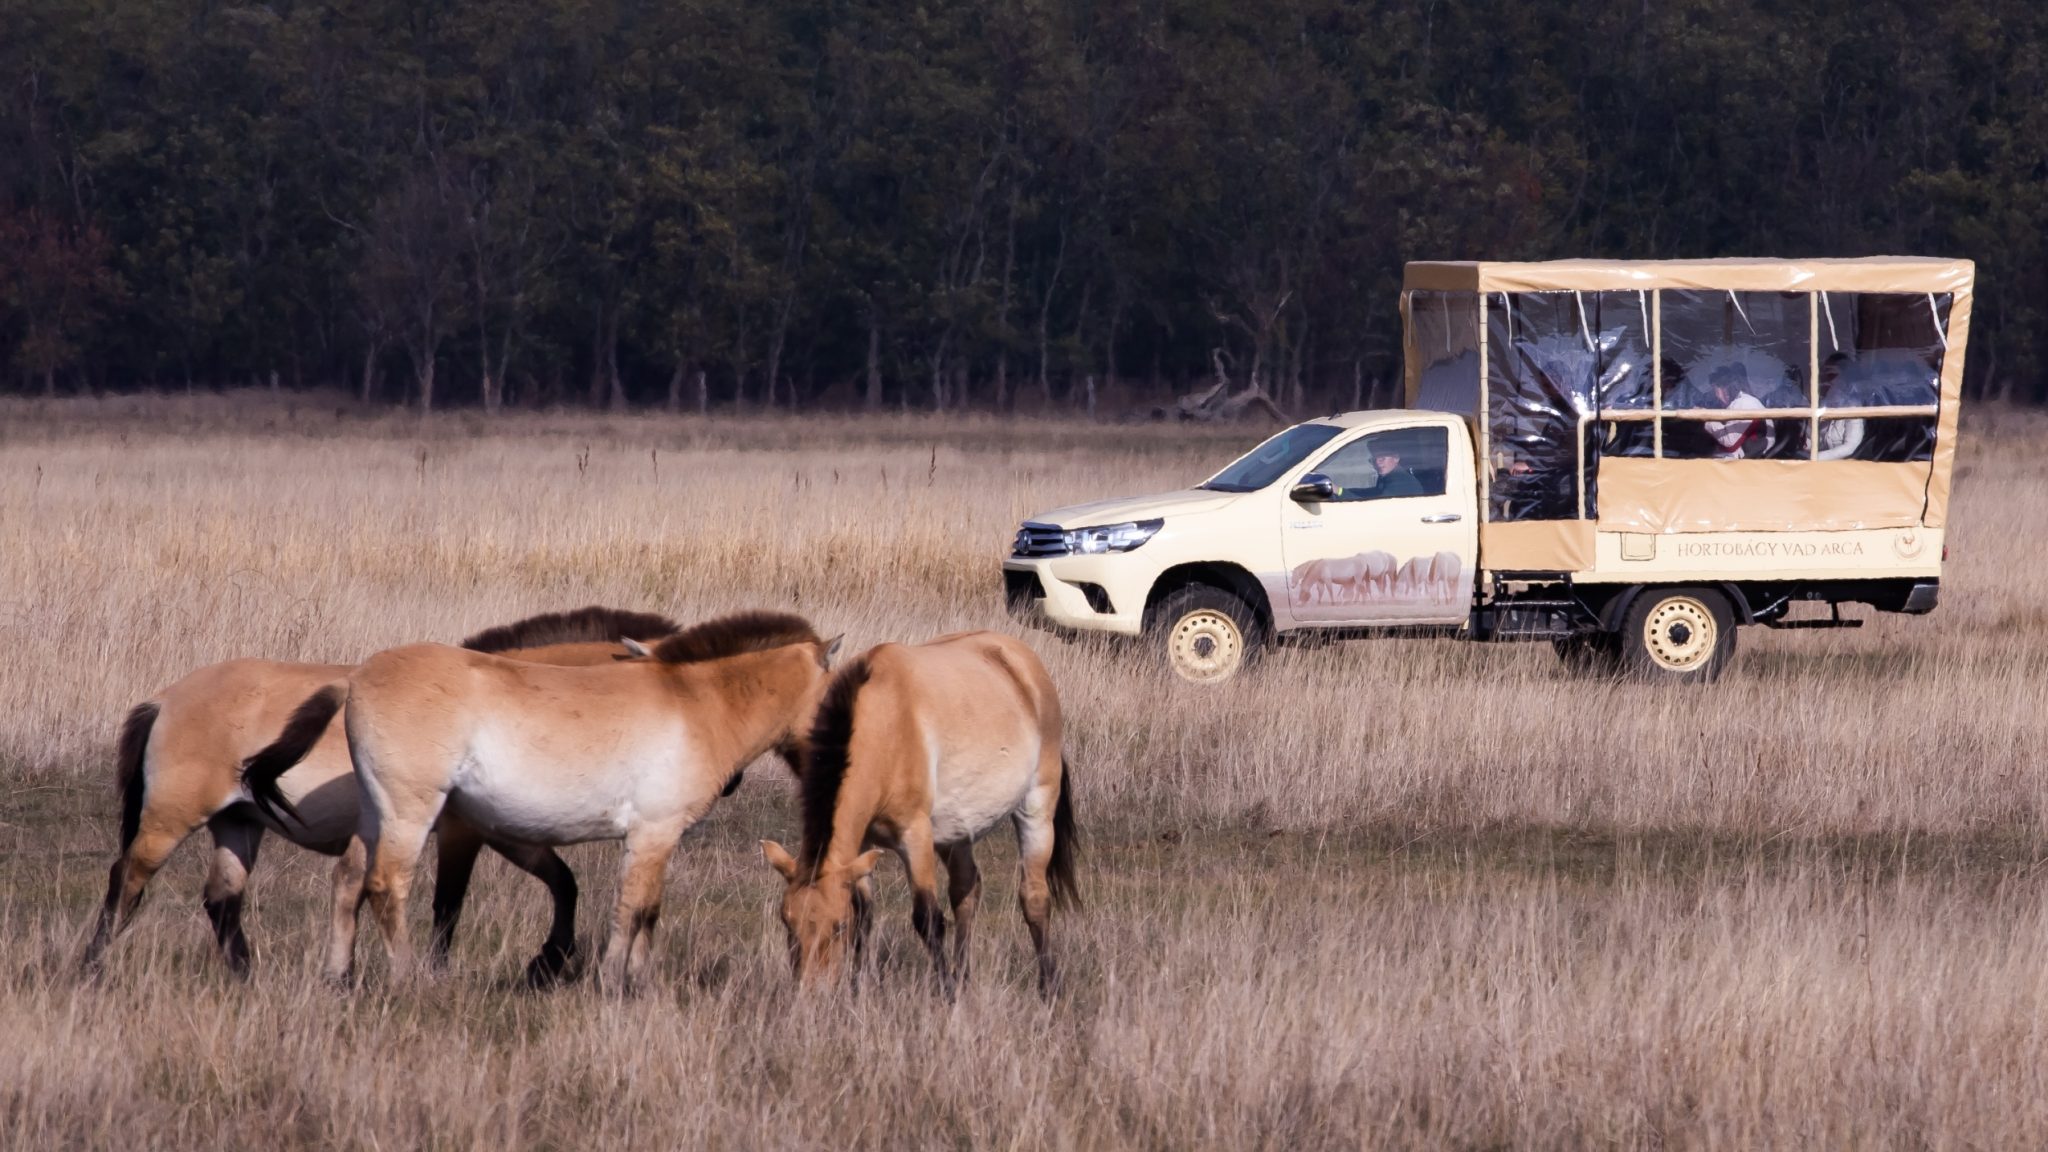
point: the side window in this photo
(1568, 379)
(1729, 353)
(1882, 351)
(1445, 328)
(1388, 465)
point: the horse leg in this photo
(1034, 891)
(350, 876)
(863, 920)
(236, 837)
(158, 836)
(393, 858)
(546, 865)
(640, 883)
(963, 891)
(456, 844)
(921, 861)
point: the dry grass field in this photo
(1381, 894)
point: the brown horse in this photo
(922, 749)
(180, 766)
(638, 751)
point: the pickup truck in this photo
(1629, 460)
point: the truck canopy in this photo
(1687, 396)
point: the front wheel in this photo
(1678, 634)
(1208, 635)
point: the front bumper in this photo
(1070, 593)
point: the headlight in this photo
(1110, 537)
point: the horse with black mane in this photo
(919, 750)
(638, 750)
(180, 766)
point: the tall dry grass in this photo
(1413, 893)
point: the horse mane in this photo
(595, 623)
(827, 761)
(735, 635)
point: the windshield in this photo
(1266, 463)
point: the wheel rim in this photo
(1680, 634)
(1205, 646)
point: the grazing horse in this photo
(638, 751)
(180, 766)
(922, 749)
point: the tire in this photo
(1590, 654)
(1205, 634)
(1680, 634)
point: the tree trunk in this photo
(426, 380)
(703, 394)
(597, 383)
(1044, 318)
(1296, 356)
(675, 389)
(611, 364)
(1116, 319)
(489, 384)
(775, 343)
(873, 399)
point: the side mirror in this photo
(1313, 487)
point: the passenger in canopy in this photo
(1839, 439)
(1737, 439)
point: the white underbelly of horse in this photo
(551, 804)
(971, 795)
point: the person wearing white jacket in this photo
(1737, 439)
(1839, 439)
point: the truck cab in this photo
(1359, 520)
(1628, 459)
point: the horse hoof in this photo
(550, 969)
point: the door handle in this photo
(1442, 518)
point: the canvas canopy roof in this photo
(1862, 274)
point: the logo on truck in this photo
(1378, 578)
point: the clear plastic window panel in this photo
(1556, 362)
(1445, 328)
(1730, 353)
(1881, 350)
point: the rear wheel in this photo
(1678, 634)
(1207, 635)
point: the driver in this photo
(1394, 479)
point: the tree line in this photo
(859, 203)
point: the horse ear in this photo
(832, 648)
(862, 865)
(779, 859)
(635, 647)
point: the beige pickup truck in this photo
(1627, 459)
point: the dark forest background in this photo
(941, 205)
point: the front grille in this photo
(1035, 540)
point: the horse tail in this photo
(261, 772)
(128, 767)
(1059, 873)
